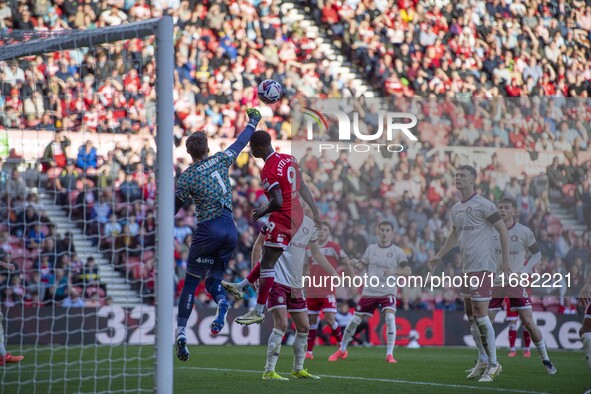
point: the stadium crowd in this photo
(223, 49)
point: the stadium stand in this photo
(449, 49)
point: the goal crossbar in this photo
(72, 39)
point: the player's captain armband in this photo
(495, 217)
(533, 249)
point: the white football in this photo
(269, 91)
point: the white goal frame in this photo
(162, 28)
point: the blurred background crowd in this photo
(472, 51)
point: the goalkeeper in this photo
(207, 183)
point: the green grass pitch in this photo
(238, 369)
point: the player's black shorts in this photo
(213, 243)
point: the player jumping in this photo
(282, 181)
(382, 260)
(475, 218)
(325, 302)
(286, 296)
(521, 243)
(207, 183)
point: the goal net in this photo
(80, 112)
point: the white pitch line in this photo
(459, 386)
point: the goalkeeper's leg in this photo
(192, 280)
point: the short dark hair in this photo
(196, 144)
(386, 223)
(507, 200)
(324, 223)
(260, 138)
(470, 169)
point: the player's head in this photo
(385, 232)
(260, 144)
(324, 233)
(507, 207)
(196, 145)
(465, 177)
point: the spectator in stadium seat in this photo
(35, 237)
(526, 205)
(547, 246)
(87, 157)
(73, 300)
(16, 185)
(35, 286)
(66, 182)
(578, 251)
(181, 230)
(129, 190)
(66, 245)
(89, 274)
(556, 175)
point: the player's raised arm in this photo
(275, 203)
(309, 199)
(450, 242)
(254, 116)
(321, 259)
(501, 228)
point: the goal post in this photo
(86, 374)
(165, 203)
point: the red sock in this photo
(255, 273)
(265, 284)
(512, 336)
(311, 339)
(338, 334)
(526, 339)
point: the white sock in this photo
(2, 348)
(243, 284)
(260, 308)
(586, 338)
(350, 331)
(273, 349)
(475, 331)
(487, 335)
(541, 346)
(333, 326)
(180, 331)
(390, 333)
(299, 350)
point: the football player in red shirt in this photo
(283, 184)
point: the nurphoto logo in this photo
(389, 125)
